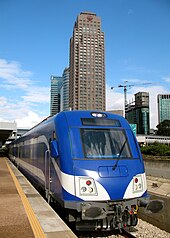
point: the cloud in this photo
(114, 100)
(13, 75)
(27, 102)
(3, 101)
(166, 79)
(22, 113)
(37, 95)
(29, 120)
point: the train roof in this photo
(75, 114)
(74, 118)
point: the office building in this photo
(163, 107)
(142, 113)
(64, 92)
(87, 64)
(56, 83)
(138, 113)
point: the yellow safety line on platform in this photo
(36, 227)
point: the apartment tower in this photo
(87, 64)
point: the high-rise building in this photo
(87, 64)
(56, 83)
(163, 107)
(142, 112)
(64, 92)
(138, 113)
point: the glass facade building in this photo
(138, 113)
(163, 107)
(56, 83)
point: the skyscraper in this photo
(56, 83)
(65, 106)
(163, 107)
(87, 64)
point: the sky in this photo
(34, 44)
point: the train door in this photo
(48, 175)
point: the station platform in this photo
(23, 212)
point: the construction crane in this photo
(125, 86)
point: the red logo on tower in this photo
(89, 18)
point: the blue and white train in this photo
(90, 163)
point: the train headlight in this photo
(87, 186)
(98, 114)
(83, 189)
(90, 190)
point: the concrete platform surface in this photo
(50, 222)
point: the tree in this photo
(164, 128)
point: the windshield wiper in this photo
(115, 165)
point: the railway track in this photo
(106, 234)
(127, 234)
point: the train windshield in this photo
(105, 143)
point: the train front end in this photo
(104, 179)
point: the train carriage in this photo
(90, 163)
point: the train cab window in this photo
(105, 143)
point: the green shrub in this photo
(156, 149)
